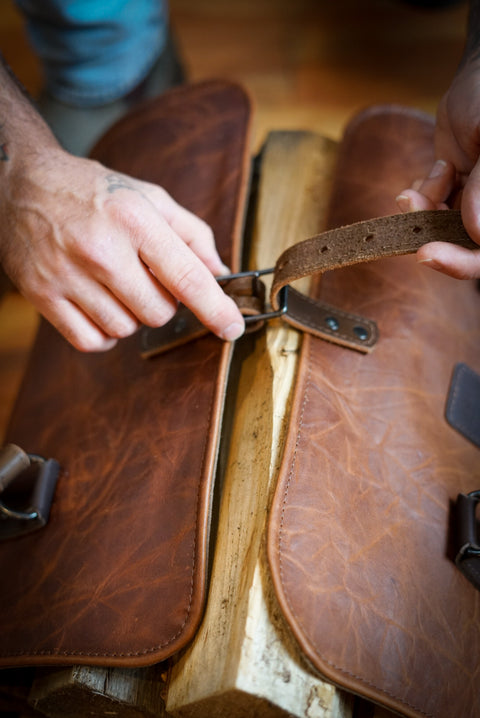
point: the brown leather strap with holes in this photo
(352, 244)
(359, 242)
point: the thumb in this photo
(470, 205)
(456, 261)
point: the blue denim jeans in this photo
(94, 51)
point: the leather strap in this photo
(463, 401)
(248, 292)
(364, 241)
(359, 242)
(13, 460)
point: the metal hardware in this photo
(332, 323)
(361, 332)
(468, 545)
(27, 484)
(185, 326)
(265, 316)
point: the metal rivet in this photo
(332, 324)
(361, 333)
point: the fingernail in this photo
(233, 331)
(430, 263)
(225, 269)
(404, 202)
(438, 169)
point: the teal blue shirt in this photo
(95, 51)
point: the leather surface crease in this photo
(359, 536)
(118, 575)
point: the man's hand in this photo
(434, 192)
(454, 180)
(98, 252)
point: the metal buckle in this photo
(283, 295)
(185, 326)
(27, 484)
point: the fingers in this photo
(92, 318)
(183, 273)
(112, 255)
(471, 204)
(194, 232)
(140, 276)
(124, 295)
(149, 268)
(449, 259)
(75, 326)
(94, 308)
(179, 252)
(431, 192)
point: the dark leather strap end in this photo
(462, 411)
(467, 557)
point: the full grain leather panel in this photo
(359, 528)
(118, 574)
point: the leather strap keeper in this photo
(467, 557)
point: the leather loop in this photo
(248, 293)
(359, 242)
(467, 557)
(13, 460)
(27, 485)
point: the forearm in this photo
(23, 132)
(455, 181)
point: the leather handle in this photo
(360, 242)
